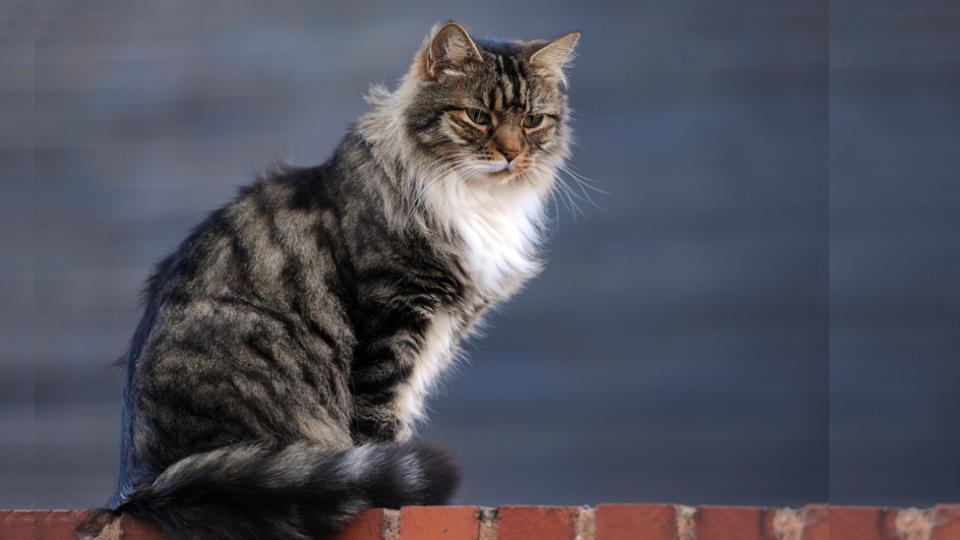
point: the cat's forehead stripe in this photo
(521, 79)
(509, 73)
(507, 86)
(511, 86)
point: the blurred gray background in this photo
(764, 310)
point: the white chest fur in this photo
(499, 227)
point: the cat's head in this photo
(494, 111)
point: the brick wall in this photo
(605, 522)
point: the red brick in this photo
(946, 522)
(631, 521)
(610, 522)
(856, 523)
(816, 522)
(539, 522)
(43, 524)
(367, 525)
(28, 524)
(140, 530)
(17, 524)
(439, 523)
(729, 523)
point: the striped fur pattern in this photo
(288, 345)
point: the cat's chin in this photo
(496, 172)
(503, 174)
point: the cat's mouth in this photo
(502, 176)
(499, 171)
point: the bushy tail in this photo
(297, 492)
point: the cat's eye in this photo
(478, 117)
(532, 120)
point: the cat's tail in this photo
(301, 491)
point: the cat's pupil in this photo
(532, 121)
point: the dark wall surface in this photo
(895, 252)
(764, 309)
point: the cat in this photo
(287, 346)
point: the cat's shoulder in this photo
(287, 187)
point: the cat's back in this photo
(261, 248)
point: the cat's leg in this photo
(408, 344)
(377, 422)
(381, 372)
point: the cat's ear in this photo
(449, 48)
(550, 59)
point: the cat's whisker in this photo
(439, 164)
(442, 166)
(563, 189)
(439, 168)
(432, 184)
(584, 183)
(573, 172)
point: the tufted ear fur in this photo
(449, 49)
(551, 58)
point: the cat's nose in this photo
(509, 142)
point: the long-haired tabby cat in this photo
(288, 344)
